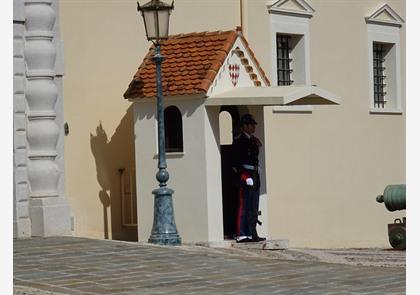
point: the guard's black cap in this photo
(248, 119)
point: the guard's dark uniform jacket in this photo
(245, 151)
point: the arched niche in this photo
(174, 142)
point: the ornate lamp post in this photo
(156, 21)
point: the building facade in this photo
(324, 165)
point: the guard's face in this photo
(249, 128)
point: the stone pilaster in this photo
(21, 220)
(48, 209)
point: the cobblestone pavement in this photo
(69, 265)
(357, 257)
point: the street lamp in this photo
(156, 21)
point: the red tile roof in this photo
(190, 66)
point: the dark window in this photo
(379, 75)
(284, 68)
(173, 130)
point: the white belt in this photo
(250, 167)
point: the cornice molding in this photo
(385, 15)
(299, 8)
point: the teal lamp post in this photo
(156, 21)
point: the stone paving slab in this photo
(70, 265)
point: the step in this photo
(282, 244)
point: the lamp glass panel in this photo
(163, 23)
(150, 23)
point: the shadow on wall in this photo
(115, 164)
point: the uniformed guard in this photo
(245, 151)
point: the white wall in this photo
(188, 171)
(213, 175)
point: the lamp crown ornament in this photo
(155, 4)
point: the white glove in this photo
(249, 181)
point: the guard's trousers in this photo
(249, 199)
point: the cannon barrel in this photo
(393, 197)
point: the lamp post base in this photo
(164, 230)
(165, 239)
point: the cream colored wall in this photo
(104, 42)
(256, 29)
(96, 34)
(204, 15)
(325, 168)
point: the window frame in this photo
(390, 36)
(298, 29)
(284, 59)
(296, 24)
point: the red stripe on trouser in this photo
(240, 211)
